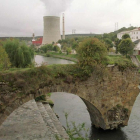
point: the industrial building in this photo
(51, 29)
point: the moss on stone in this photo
(50, 102)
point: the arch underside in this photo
(95, 115)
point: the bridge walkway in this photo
(32, 121)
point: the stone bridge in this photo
(109, 100)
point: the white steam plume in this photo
(55, 7)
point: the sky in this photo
(21, 18)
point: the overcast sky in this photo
(24, 17)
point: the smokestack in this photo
(63, 27)
(51, 29)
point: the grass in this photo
(113, 59)
(121, 61)
(138, 56)
(12, 70)
(63, 54)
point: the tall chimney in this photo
(63, 27)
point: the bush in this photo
(90, 53)
(41, 98)
(56, 48)
(46, 48)
(60, 52)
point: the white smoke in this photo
(55, 7)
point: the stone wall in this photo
(109, 98)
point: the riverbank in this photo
(111, 59)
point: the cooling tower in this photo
(51, 29)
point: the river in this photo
(50, 60)
(75, 107)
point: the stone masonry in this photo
(109, 99)
(28, 123)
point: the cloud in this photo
(55, 7)
(100, 16)
(22, 18)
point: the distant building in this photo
(37, 42)
(134, 34)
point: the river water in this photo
(50, 60)
(75, 107)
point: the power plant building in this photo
(51, 29)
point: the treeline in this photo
(15, 54)
(49, 47)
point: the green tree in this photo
(126, 47)
(125, 36)
(91, 52)
(64, 47)
(20, 55)
(68, 50)
(45, 48)
(74, 45)
(4, 60)
(108, 43)
(56, 48)
(117, 42)
(50, 47)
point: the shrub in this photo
(90, 53)
(41, 98)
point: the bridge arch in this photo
(95, 114)
(111, 97)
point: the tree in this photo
(108, 43)
(68, 50)
(56, 48)
(4, 60)
(74, 45)
(46, 48)
(20, 55)
(117, 42)
(126, 47)
(50, 47)
(91, 52)
(125, 36)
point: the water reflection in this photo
(50, 60)
(107, 134)
(78, 113)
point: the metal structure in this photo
(51, 29)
